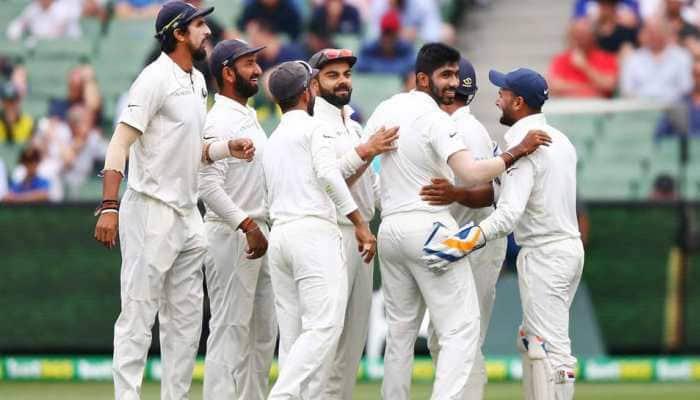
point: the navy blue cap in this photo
(290, 79)
(175, 14)
(228, 51)
(525, 83)
(467, 78)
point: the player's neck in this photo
(231, 94)
(182, 57)
(452, 108)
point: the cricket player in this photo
(160, 229)
(428, 147)
(334, 83)
(537, 203)
(242, 328)
(471, 205)
(305, 187)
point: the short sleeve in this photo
(144, 100)
(444, 138)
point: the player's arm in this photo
(113, 172)
(441, 192)
(473, 172)
(512, 201)
(326, 169)
(355, 162)
(212, 193)
(215, 150)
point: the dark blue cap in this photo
(467, 78)
(524, 82)
(175, 14)
(290, 79)
(228, 51)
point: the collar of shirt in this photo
(329, 112)
(168, 62)
(294, 115)
(233, 104)
(461, 112)
(518, 131)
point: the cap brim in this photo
(202, 12)
(249, 51)
(498, 79)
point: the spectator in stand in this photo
(675, 124)
(4, 187)
(389, 54)
(690, 9)
(32, 188)
(658, 70)
(137, 9)
(86, 149)
(686, 34)
(46, 19)
(15, 126)
(420, 19)
(583, 70)
(82, 89)
(15, 73)
(664, 188)
(262, 33)
(52, 139)
(338, 16)
(613, 36)
(626, 11)
(282, 15)
(317, 38)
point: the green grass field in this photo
(364, 391)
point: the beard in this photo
(310, 106)
(336, 100)
(243, 86)
(439, 94)
(506, 119)
(199, 53)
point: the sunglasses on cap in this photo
(173, 24)
(332, 54)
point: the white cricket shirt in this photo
(301, 171)
(169, 107)
(348, 134)
(233, 189)
(476, 138)
(427, 138)
(538, 197)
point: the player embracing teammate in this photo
(286, 239)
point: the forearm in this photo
(356, 218)
(477, 197)
(472, 172)
(118, 149)
(111, 181)
(212, 193)
(604, 82)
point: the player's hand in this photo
(382, 141)
(578, 59)
(534, 139)
(242, 148)
(439, 193)
(257, 243)
(366, 242)
(106, 229)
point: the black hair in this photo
(168, 43)
(288, 104)
(435, 55)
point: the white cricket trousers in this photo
(243, 327)
(311, 291)
(162, 255)
(548, 277)
(409, 287)
(486, 264)
(352, 341)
